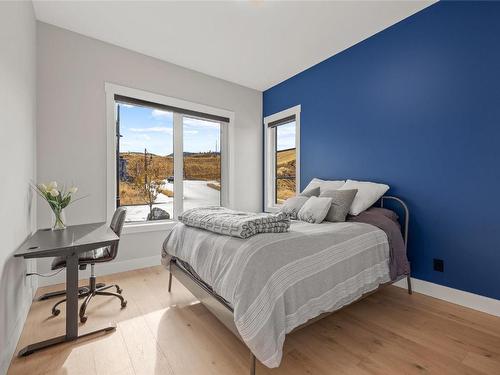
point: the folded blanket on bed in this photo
(222, 220)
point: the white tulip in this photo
(52, 185)
(73, 190)
(43, 188)
(54, 192)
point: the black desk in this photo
(69, 243)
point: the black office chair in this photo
(101, 255)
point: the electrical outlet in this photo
(438, 265)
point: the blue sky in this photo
(285, 136)
(149, 128)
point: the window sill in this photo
(272, 209)
(131, 228)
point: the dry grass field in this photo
(202, 166)
(129, 195)
(286, 161)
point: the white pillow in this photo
(368, 194)
(325, 185)
(315, 209)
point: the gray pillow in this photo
(341, 203)
(311, 192)
(292, 206)
(315, 209)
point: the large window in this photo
(168, 159)
(282, 132)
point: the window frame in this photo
(270, 156)
(227, 167)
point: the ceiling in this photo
(257, 44)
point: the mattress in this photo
(278, 281)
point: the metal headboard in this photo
(406, 218)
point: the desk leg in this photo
(71, 312)
(72, 296)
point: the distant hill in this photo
(203, 166)
(197, 166)
(135, 153)
(195, 154)
(186, 153)
(286, 156)
(286, 161)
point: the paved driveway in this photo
(196, 194)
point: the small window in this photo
(282, 157)
(285, 162)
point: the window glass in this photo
(145, 162)
(201, 163)
(285, 162)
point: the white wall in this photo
(17, 162)
(72, 70)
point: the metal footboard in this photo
(404, 229)
(406, 211)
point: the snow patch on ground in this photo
(196, 194)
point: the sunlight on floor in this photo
(174, 334)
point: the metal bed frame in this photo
(219, 307)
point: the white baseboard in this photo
(459, 297)
(104, 269)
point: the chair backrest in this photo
(116, 225)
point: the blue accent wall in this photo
(417, 106)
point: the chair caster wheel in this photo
(119, 291)
(83, 319)
(124, 304)
(56, 312)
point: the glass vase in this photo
(59, 219)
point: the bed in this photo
(267, 286)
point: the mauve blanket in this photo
(387, 220)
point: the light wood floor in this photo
(389, 332)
